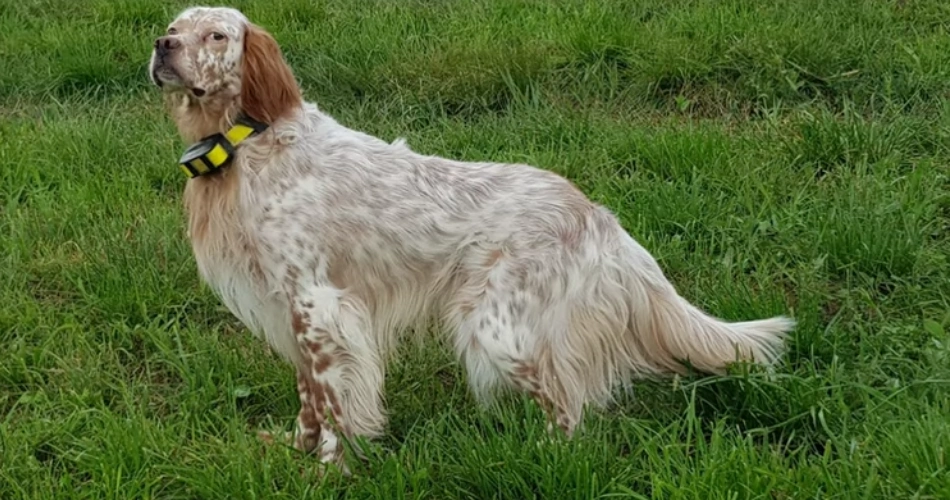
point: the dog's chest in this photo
(245, 294)
(230, 265)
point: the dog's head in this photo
(220, 60)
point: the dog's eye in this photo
(172, 31)
(217, 36)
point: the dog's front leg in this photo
(307, 436)
(342, 374)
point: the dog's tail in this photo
(666, 332)
(672, 332)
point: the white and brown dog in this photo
(331, 244)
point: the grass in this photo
(784, 157)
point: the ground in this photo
(776, 157)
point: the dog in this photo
(333, 245)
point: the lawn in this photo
(785, 157)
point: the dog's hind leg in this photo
(498, 348)
(501, 341)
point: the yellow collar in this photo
(212, 153)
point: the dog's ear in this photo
(268, 87)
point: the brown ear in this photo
(268, 87)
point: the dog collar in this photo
(214, 152)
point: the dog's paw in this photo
(284, 438)
(325, 469)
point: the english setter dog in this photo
(332, 245)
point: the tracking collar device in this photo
(212, 153)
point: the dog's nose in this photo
(166, 44)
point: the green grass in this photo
(777, 157)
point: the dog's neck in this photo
(198, 119)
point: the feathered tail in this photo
(666, 330)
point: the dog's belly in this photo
(266, 315)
